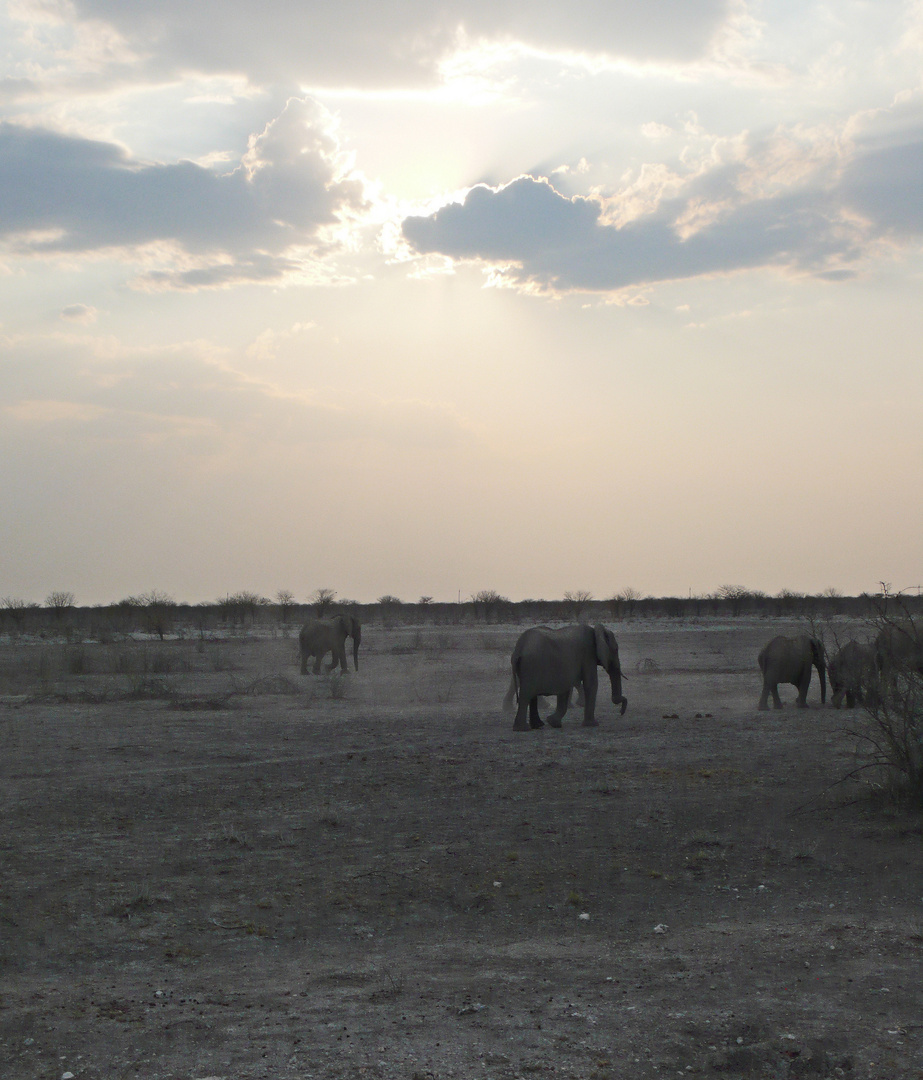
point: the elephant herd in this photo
(858, 671)
(554, 662)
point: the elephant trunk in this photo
(819, 661)
(357, 637)
(618, 698)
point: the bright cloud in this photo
(361, 43)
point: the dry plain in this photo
(211, 866)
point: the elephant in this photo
(899, 649)
(546, 662)
(320, 636)
(789, 660)
(854, 673)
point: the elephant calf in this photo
(321, 636)
(854, 674)
(789, 660)
(552, 662)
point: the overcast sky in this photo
(394, 298)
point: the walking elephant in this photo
(789, 660)
(552, 662)
(321, 636)
(853, 673)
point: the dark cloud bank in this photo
(560, 243)
(64, 194)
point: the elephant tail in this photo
(512, 693)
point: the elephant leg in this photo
(589, 708)
(304, 663)
(317, 663)
(563, 700)
(520, 724)
(802, 701)
(770, 688)
(535, 721)
(850, 699)
(581, 697)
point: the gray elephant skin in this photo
(853, 674)
(548, 662)
(899, 649)
(789, 660)
(321, 636)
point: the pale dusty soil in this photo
(394, 884)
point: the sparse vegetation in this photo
(891, 739)
(155, 612)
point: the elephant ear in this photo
(603, 649)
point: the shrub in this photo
(890, 735)
(76, 661)
(337, 684)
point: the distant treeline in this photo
(158, 615)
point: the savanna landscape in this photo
(214, 866)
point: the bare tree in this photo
(578, 599)
(285, 598)
(488, 603)
(158, 611)
(322, 600)
(59, 602)
(16, 610)
(628, 596)
(241, 606)
(736, 594)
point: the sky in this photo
(416, 299)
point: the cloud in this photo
(777, 205)
(61, 193)
(360, 43)
(79, 313)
